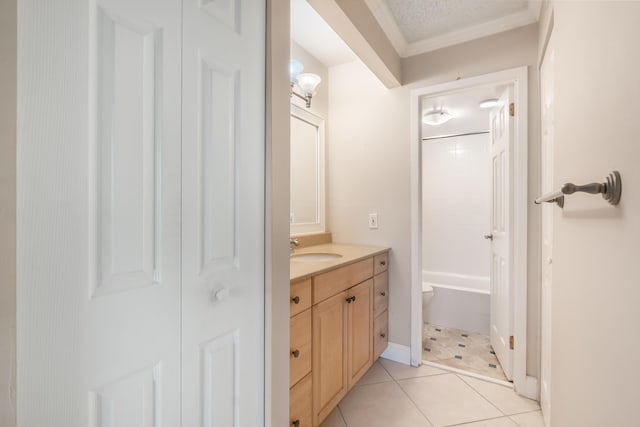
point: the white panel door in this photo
(547, 115)
(501, 212)
(223, 212)
(99, 235)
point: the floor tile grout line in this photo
(478, 421)
(480, 394)
(412, 401)
(408, 397)
(342, 415)
(508, 415)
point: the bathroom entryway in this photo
(470, 248)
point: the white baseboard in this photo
(397, 353)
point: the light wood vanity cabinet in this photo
(348, 314)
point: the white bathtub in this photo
(459, 301)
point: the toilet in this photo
(427, 296)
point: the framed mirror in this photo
(307, 212)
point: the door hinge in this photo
(512, 109)
(511, 342)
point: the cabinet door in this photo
(329, 355)
(359, 330)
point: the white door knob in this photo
(221, 294)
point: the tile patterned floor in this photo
(462, 350)
(396, 395)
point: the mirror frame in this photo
(318, 122)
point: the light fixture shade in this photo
(435, 118)
(489, 103)
(308, 83)
(295, 68)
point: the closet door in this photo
(99, 213)
(223, 212)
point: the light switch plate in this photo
(373, 220)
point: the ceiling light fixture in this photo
(306, 82)
(437, 117)
(489, 103)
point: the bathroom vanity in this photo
(339, 324)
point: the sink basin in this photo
(314, 257)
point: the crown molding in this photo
(506, 23)
(387, 22)
(385, 19)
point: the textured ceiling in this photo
(423, 19)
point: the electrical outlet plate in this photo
(373, 220)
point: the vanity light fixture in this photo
(306, 82)
(489, 103)
(436, 117)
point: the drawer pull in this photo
(296, 423)
(383, 335)
(350, 299)
(383, 263)
(296, 353)
(296, 300)
(384, 294)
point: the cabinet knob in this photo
(350, 299)
(383, 335)
(296, 353)
(383, 263)
(384, 294)
(296, 423)
(296, 300)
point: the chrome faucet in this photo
(293, 243)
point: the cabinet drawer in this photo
(300, 293)
(380, 263)
(301, 403)
(381, 293)
(300, 352)
(333, 282)
(380, 334)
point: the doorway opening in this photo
(469, 228)
(456, 216)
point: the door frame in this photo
(518, 77)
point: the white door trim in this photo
(519, 78)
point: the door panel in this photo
(223, 211)
(501, 283)
(360, 326)
(329, 350)
(99, 229)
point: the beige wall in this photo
(596, 247)
(8, 75)
(369, 156)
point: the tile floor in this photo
(396, 395)
(460, 349)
